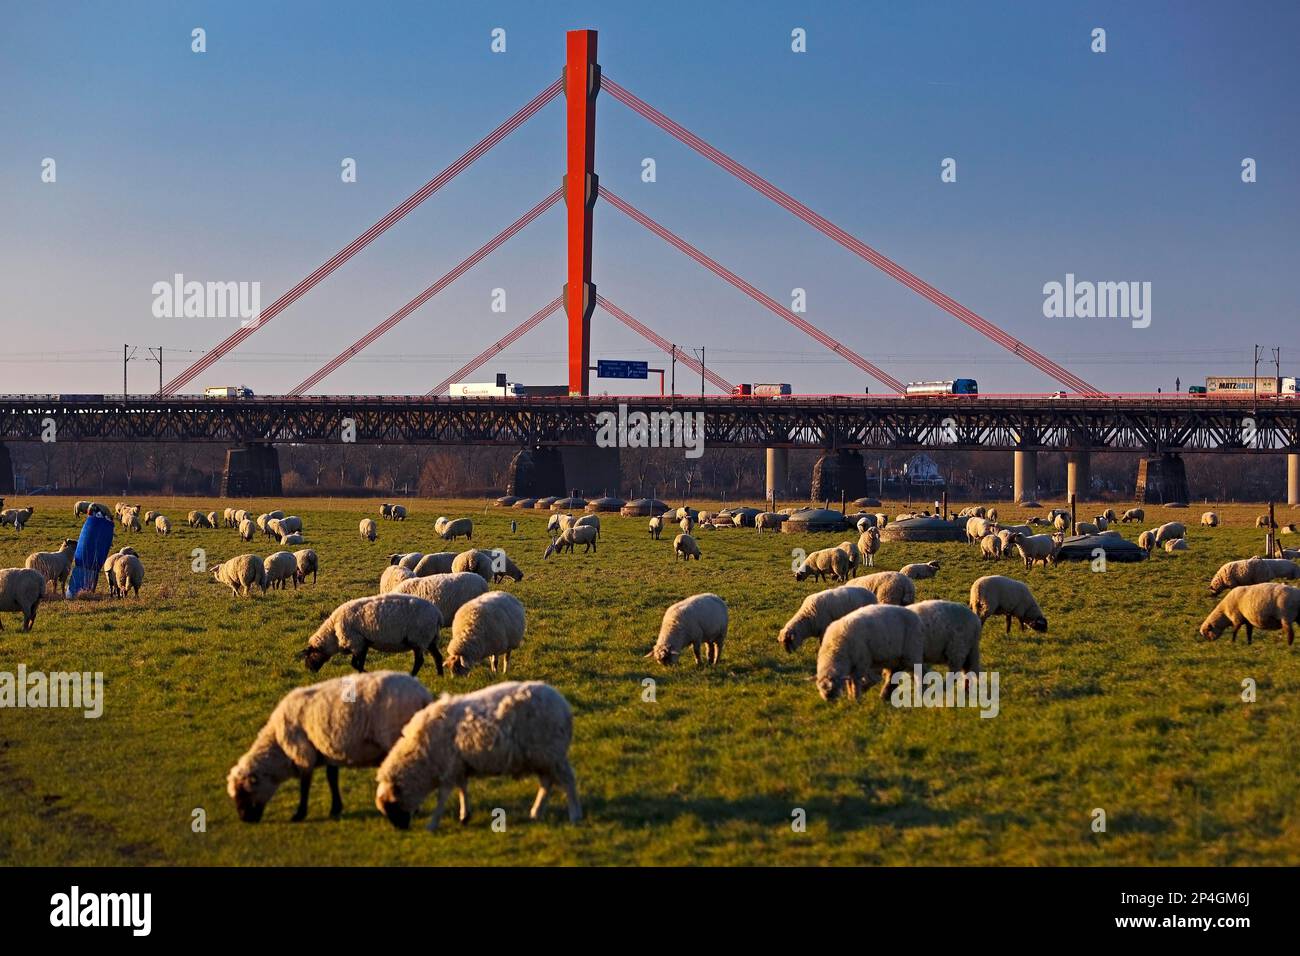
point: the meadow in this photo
(1119, 707)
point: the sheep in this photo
(345, 722)
(768, 521)
(865, 522)
(55, 565)
(1252, 571)
(1168, 531)
(991, 547)
(409, 560)
(1036, 547)
(1084, 527)
(241, 574)
(857, 649)
(307, 564)
(474, 561)
(1061, 522)
(437, 563)
(21, 589)
(261, 521)
(460, 528)
(369, 530)
(920, 572)
(281, 567)
(449, 591)
(828, 561)
(394, 575)
(1269, 607)
(889, 587)
(439, 523)
(686, 547)
(588, 521)
(489, 627)
(584, 535)
(149, 517)
(503, 567)
(1263, 521)
(855, 555)
(247, 529)
(1147, 540)
(124, 571)
(697, 620)
(559, 522)
(950, 633)
(1100, 522)
(977, 528)
(818, 611)
(197, 519)
(398, 513)
(97, 509)
(18, 517)
(1210, 519)
(869, 544)
(228, 517)
(289, 525)
(882, 519)
(1133, 514)
(507, 729)
(656, 526)
(1006, 533)
(1176, 544)
(275, 514)
(1109, 515)
(272, 528)
(995, 594)
(162, 524)
(131, 519)
(390, 623)
(687, 524)
(385, 510)
(212, 519)
(78, 509)
(291, 539)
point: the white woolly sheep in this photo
(1210, 519)
(487, 627)
(291, 539)
(1109, 515)
(889, 587)
(198, 519)
(828, 561)
(686, 547)
(1169, 531)
(1176, 544)
(124, 571)
(1061, 522)
(247, 528)
(687, 524)
(865, 522)
(1268, 607)
(345, 722)
(307, 564)
(1036, 547)
(1263, 521)
(557, 522)
(569, 537)
(656, 526)
(449, 591)
(995, 594)
(474, 561)
(1147, 540)
(18, 517)
(951, 634)
(21, 589)
(868, 545)
(460, 528)
(991, 547)
(818, 611)
(394, 575)
(55, 565)
(1237, 574)
(149, 517)
(368, 529)
(281, 567)
(1133, 514)
(920, 572)
(977, 528)
(855, 555)
(699, 620)
(437, 563)
(163, 525)
(507, 729)
(858, 648)
(241, 574)
(131, 519)
(1085, 527)
(409, 560)
(588, 521)
(768, 521)
(391, 623)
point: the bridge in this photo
(546, 429)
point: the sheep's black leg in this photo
(1250, 632)
(437, 657)
(304, 788)
(419, 661)
(336, 799)
(359, 659)
(1008, 625)
(1290, 633)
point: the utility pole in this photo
(674, 386)
(1254, 381)
(159, 359)
(701, 354)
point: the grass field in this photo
(1119, 707)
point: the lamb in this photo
(247, 529)
(21, 589)
(291, 539)
(1252, 571)
(697, 620)
(991, 547)
(460, 528)
(995, 594)
(489, 626)
(951, 634)
(1147, 540)
(438, 563)
(920, 572)
(828, 561)
(507, 729)
(889, 587)
(1006, 533)
(307, 564)
(1169, 531)
(1133, 514)
(390, 623)
(124, 571)
(394, 575)
(281, 567)
(369, 530)
(656, 526)
(449, 591)
(55, 565)
(687, 524)
(1210, 519)
(1176, 544)
(869, 544)
(261, 522)
(163, 525)
(686, 547)
(1036, 547)
(241, 574)
(398, 513)
(345, 722)
(1269, 607)
(584, 535)
(860, 646)
(818, 611)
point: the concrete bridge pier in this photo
(252, 471)
(839, 471)
(6, 471)
(594, 472)
(1078, 475)
(1292, 479)
(1162, 478)
(778, 472)
(1025, 476)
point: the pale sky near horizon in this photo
(225, 166)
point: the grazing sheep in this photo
(1237, 574)
(55, 565)
(449, 591)
(1109, 515)
(149, 517)
(242, 574)
(503, 567)
(18, 517)
(818, 611)
(507, 729)
(858, 648)
(686, 547)
(920, 572)
(889, 587)
(588, 521)
(408, 560)
(1263, 521)
(1176, 544)
(385, 510)
(585, 535)
(289, 525)
(198, 519)
(991, 547)
(247, 529)
(345, 722)
(489, 627)
(697, 620)
(21, 589)
(828, 561)
(437, 563)
(131, 519)
(557, 522)
(869, 544)
(307, 564)
(460, 528)
(1036, 547)
(951, 634)
(855, 555)
(78, 509)
(656, 526)
(213, 520)
(439, 523)
(369, 530)
(1210, 519)
(995, 594)
(1100, 522)
(228, 517)
(391, 623)
(281, 568)
(261, 522)
(1133, 514)
(687, 524)
(398, 513)
(275, 514)
(1169, 531)
(124, 571)
(1147, 541)
(394, 575)
(474, 561)
(164, 526)
(1269, 607)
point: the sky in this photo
(1122, 166)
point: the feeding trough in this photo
(544, 504)
(1083, 547)
(932, 528)
(813, 520)
(643, 508)
(604, 504)
(568, 504)
(524, 503)
(505, 501)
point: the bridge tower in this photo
(581, 83)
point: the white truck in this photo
(227, 391)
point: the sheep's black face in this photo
(314, 659)
(828, 688)
(248, 807)
(395, 815)
(786, 640)
(1039, 624)
(458, 666)
(1209, 633)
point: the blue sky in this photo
(224, 166)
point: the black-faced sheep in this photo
(391, 623)
(55, 565)
(700, 620)
(487, 628)
(1268, 607)
(995, 594)
(685, 547)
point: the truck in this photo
(227, 391)
(957, 386)
(1243, 386)
(767, 390)
(485, 390)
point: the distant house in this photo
(920, 469)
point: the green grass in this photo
(1119, 706)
